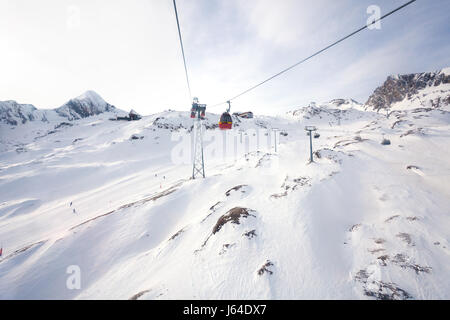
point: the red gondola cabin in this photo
(225, 122)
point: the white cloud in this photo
(128, 51)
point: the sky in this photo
(129, 52)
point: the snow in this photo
(355, 224)
(88, 104)
(446, 71)
(92, 96)
(426, 98)
(15, 112)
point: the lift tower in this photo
(310, 130)
(198, 113)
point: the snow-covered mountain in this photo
(13, 113)
(113, 202)
(344, 103)
(331, 113)
(428, 90)
(85, 105)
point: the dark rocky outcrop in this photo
(86, 105)
(397, 88)
(233, 216)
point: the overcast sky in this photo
(128, 50)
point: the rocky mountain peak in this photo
(399, 87)
(88, 104)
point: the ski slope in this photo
(364, 221)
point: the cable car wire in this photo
(182, 48)
(317, 53)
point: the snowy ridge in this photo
(428, 89)
(344, 103)
(85, 105)
(331, 113)
(14, 113)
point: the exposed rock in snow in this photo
(333, 112)
(85, 105)
(419, 86)
(14, 113)
(233, 215)
(265, 268)
(344, 103)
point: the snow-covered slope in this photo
(115, 199)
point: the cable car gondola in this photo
(226, 122)
(198, 108)
(194, 107)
